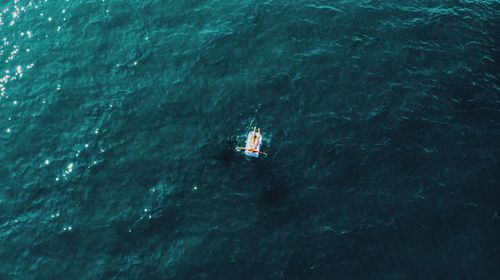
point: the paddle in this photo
(251, 150)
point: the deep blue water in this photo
(119, 119)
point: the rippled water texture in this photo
(118, 122)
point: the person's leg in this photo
(254, 138)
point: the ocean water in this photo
(119, 122)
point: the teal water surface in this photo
(119, 119)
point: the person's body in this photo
(255, 139)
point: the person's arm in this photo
(246, 149)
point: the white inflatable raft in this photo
(252, 147)
(253, 143)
